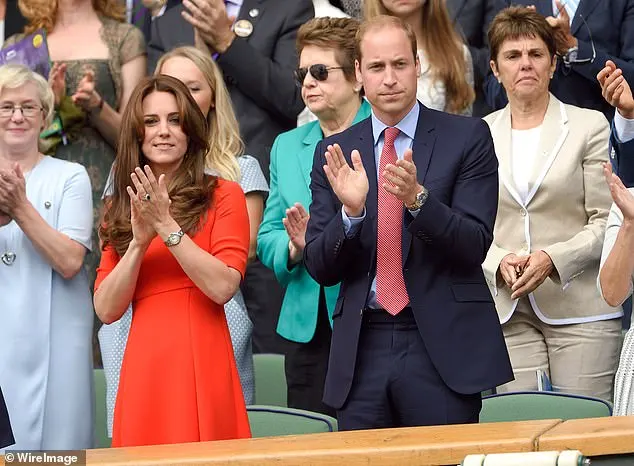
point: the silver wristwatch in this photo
(174, 238)
(570, 56)
(421, 197)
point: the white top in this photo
(524, 149)
(46, 346)
(624, 127)
(431, 92)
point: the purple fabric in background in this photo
(31, 51)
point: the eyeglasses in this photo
(28, 110)
(318, 71)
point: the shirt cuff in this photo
(624, 127)
(351, 225)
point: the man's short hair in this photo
(380, 22)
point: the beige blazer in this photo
(564, 214)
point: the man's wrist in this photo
(353, 211)
(628, 114)
(224, 45)
(417, 200)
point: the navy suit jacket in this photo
(443, 249)
(258, 69)
(622, 158)
(611, 23)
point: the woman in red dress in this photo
(175, 244)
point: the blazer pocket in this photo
(470, 292)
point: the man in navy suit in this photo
(405, 229)
(617, 92)
(588, 33)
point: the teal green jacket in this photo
(291, 163)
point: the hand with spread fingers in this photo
(511, 268)
(210, 20)
(85, 95)
(402, 179)
(149, 202)
(57, 81)
(616, 90)
(538, 267)
(295, 223)
(12, 191)
(561, 29)
(621, 196)
(350, 184)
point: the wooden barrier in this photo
(438, 445)
(599, 436)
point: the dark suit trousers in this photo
(395, 383)
(263, 297)
(306, 365)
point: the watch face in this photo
(173, 239)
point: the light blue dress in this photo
(113, 337)
(46, 321)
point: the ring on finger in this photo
(146, 197)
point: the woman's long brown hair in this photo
(443, 48)
(190, 190)
(43, 13)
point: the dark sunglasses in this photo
(318, 71)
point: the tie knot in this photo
(390, 135)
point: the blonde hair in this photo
(14, 76)
(225, 145)
(443, 48)
(43, 13)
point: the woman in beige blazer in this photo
(553, 205)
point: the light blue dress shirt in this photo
(404, 140)
(233, 7)
(570, 6)
(624, 127)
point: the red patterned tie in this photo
(390, 284)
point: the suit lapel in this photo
(455, 8)
(422, 148)
(553, 134)
(245, 13)
(501, 133)
(585, 9)
(366, 148)
(306, 155)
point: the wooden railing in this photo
(439, 445)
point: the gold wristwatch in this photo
(421, 197)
